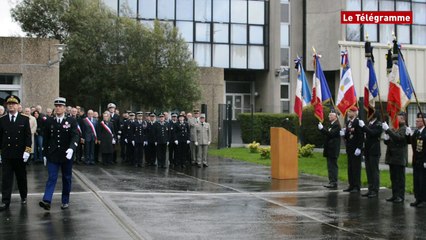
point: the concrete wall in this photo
(28, 57)
(212, 93)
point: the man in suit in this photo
(331, 148)
(418, 143)
(372, 153)
(150, 148)
(354, 137)
(396, 157)
(90, 138)
(121, 133)
(61, 139)
(139, 138)
(203, 138)
(129, 139)
(106, 138)
(161, 140)
(181, 139)
(15, 143)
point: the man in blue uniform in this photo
(139, 138)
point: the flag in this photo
(346, 97)
(303, 95)
(320, 91)
(371, 90)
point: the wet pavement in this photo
(227, 200)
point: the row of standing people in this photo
(363, 139)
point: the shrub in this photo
(309, 129)
(261, 123)
(254, 147)
(306, 151)
(265, 152)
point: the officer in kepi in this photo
(60, 141)
(15, 143)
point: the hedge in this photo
(309, 129)
(262, 122)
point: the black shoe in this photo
(365, 194)
(23, 201)
(4, 207)
(331, 186)
(199, 165)
(398, 200)
(65, 206)
(205, 165)
(348, 189)
(44, 205)
(415, 203)
(354, 190)
(373, 195)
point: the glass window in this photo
(191, 49)
(202, 32)
(371, 29)
(10, 79)
(221, 11)
(402, 6)
(386, 5)
(419, 33)
(128, 8)
(256, 35)
(284, 56)
(202, 54)
(238, 87)
(256, 58)
(284, 75)
(221, 33)
(419, 13)
(353, 5)
(184, 10)
(285, 14)
(369, 5)
(284, 35)
(285, 92)
(111, 4)
(239, 33)
(386, 32)
(147, 8)
(221, 55)
(285, 106)
(148, 24)
(238, 56)
(353, 32)
(166, 9)
(203, 10)
(256, 12)
(403, 33)
(238, 11)
(186, 29)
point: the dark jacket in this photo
(15, 137)
(172, 127)
(105, 137)
(397, 150)
(332, 140)
(128, 131)
(150, 132)
(161, 133)
(138, 131)
(354, 136)
(88, 132)
(418, 143)
(58, 137)
(373, 133)
(181, 132)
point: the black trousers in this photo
(172, 153)
(123, 150)
(107, 158)
(9, 167)
(182, 154)
(419, 182)
(354, 170)
(150, 153)
(161, 154)
(130, 151)
(138, 153)
(333, 169)
(373, 172)
(397, 174)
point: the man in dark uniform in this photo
(61, 139)
(331, 148)
(139, 138)
(354, 137)
(122, 132)
(15, 142)
(418, 143)
(172, 145)
(161, 140)
(150, 148)
(372, 153)
(115, 119)
(182, 140)
(128, 138)
(396, 157)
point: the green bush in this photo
(309, 129)
(261, 124)
(254, 147)
(306, 151)
(265, 152)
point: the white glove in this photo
(424, 165)
(196, 143)
(118, 137)
(187, 142)
(44, 161)
(167, 143)
(357, 152)
(385, 126)
(113, 141)
(361, 123)
(342, 132)
(386, 137)
(133, 143)
(320, 126)
(26, 156)
(145, 143)
(208, 143)
(69, 153)
(125, 140)
(408, 131)
(176, 142)
(155, 143)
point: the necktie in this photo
(59, 120)
(13, 118)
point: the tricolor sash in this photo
(107, 128)
(92, 127)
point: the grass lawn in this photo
(316, 165)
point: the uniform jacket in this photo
(115, 119)
(161, 132)
(58, 137)
(332, 140)
(181, 132)
(150, 132)
(129, 130)
(172, 127)
(88, 133)
(203, 133)
(397, 150)
(106, 137)
(373, 132)
(15, 137)
(418, 143)
(193, 122)
(139, 129)
(354, 136)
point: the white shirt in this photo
(59, 119)
(15, 115)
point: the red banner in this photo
(374, 17)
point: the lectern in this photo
(284, 160)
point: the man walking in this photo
(61, 140)
(15, 142)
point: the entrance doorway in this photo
(241, 103)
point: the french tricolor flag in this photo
(303, 94)
(320, 91)
(346, 97)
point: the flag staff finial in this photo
(366, 37)
(313, 49)
(393, 35)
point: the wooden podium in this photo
(284, 159)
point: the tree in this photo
(112, 58)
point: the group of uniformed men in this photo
(363, 139)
